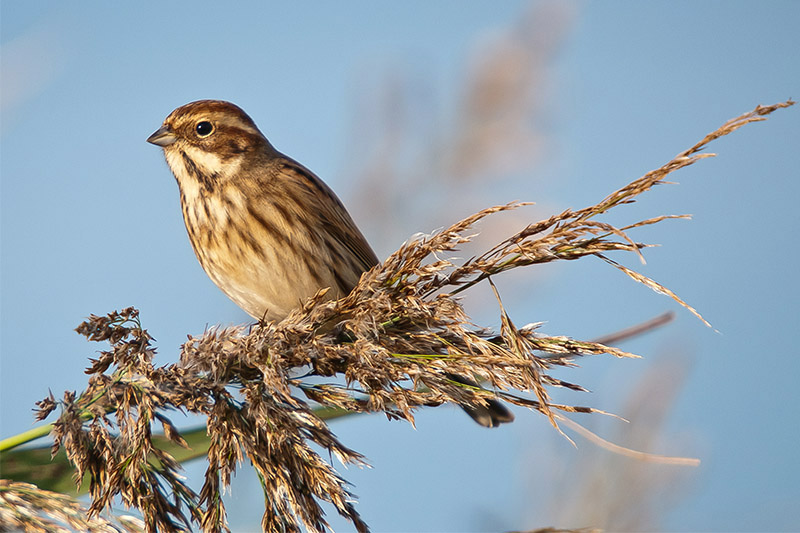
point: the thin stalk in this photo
(25, 437)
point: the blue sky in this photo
(91, 223)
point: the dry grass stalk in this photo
(615, 493)
(489, 130)
(25, 507)
(398, 339)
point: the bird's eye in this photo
(204, 128)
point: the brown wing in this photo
(331, 211)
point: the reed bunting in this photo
(265, 229)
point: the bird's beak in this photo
(163, 136)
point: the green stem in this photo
(43, 430)
(421, 356)
(26, 436)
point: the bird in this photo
(267, 231)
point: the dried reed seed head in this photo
(402, 335)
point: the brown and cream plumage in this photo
(266, 230)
